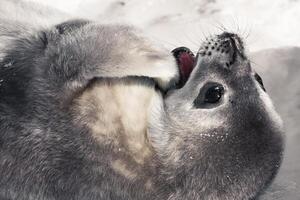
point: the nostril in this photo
(226, 35)
(227, 47)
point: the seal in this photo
(91, 111)
(74, 100)
(218, 135)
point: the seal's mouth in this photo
(186, 62)
(226, 46)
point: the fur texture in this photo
(81, 117)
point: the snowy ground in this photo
(268, 26)
(267, 23)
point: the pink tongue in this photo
(186, 63)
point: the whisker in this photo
(191, 40)
(218, 25)
(163, 41)
(254, 63)
(249, 32)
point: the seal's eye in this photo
(259, 80)
(209, 96)
(214, 94)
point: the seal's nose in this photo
(235, 42)
(226, 47)
(226, 35)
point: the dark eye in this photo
(214, 94)
(259, 80)
(209, 96)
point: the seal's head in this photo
(219, 136)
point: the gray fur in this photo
(48, 150)
(231, 150)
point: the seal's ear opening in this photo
(260, 81)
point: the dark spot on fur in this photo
(70, 25)
(44, 38)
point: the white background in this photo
(267, 23)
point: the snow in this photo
(266, 24)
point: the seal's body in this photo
(82, 116)
(64, 124)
